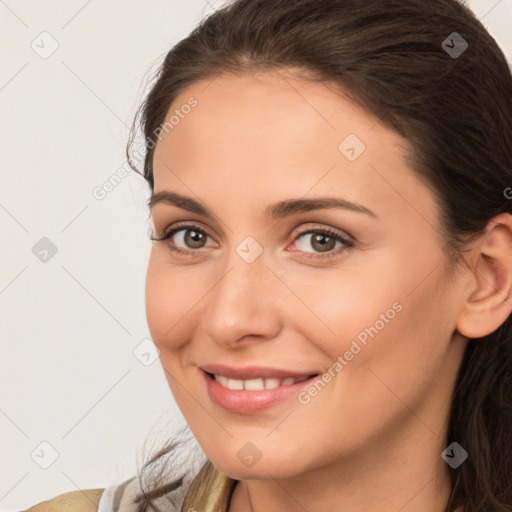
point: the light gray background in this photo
(70, 325)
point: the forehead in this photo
(273, 111)
(271, 134)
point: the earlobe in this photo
(489, 299)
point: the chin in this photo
(261, 470)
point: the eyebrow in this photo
(274, 211)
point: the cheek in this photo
(338, 305)
(175, 295)
(170, 316)
(377, 315)
(169, 297)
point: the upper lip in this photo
(254, 372)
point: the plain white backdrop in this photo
(82, 391)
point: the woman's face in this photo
(266, 284)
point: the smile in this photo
(251, 396)
(256, 384)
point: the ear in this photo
(489, 296)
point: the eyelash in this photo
(192, 252)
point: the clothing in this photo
(121, 497)
(75, 501)
(192, 482)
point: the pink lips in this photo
(246, 401)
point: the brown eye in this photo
(322, 242)
(193, 239)
(188, 239)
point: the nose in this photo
(243, 304)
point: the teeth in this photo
(271, 383)
(256, 384)
(235, 384)
(222, 380)
(253, 384)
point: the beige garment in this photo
(120, 498)
(76, 501)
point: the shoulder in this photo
(77, 501)
(110, 499)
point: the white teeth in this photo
(271, 383)
(222, 380)
(235, 384)
(256, 384)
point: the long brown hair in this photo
(393, 58)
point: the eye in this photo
(323, 241)
(186, 239)
(189, 239)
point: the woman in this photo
(330, 279)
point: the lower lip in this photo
(244, 401)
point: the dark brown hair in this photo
(455, 111)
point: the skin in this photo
(372, 438)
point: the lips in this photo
(248, 396)
(255, 372)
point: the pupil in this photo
(194, 238)
(325, 245)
